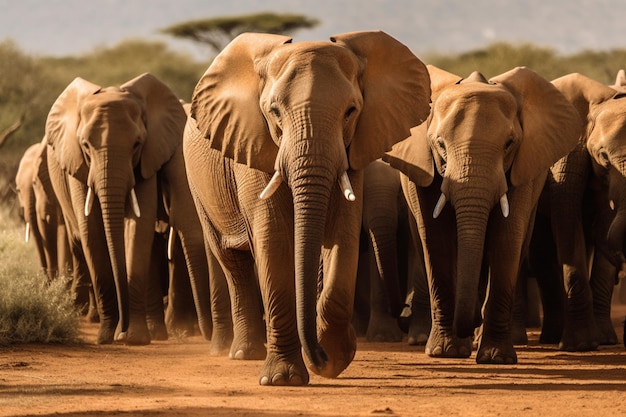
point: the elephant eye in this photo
(275, 111)
(349, 112)
(603, 157)
(508, 144)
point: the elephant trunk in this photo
(113, 195)
(472, 213)
(311, 188)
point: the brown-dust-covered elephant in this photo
(491, 143)
(315, 114)
(112, 153)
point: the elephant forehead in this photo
(108, 104)
(476, 98)
(610, 120)
(301, 56)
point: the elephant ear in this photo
(62, 124)
(413, 158)
(440, 80)
(165, 121)
(225, 102)
(396, 94)
(551, 125)
(583, 92)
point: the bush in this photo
(31, 309)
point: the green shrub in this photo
(31, 309)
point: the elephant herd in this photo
(299, 165)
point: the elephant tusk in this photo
(504, 205)
(133, 198)
(88, 202)
(612, 205)
(272, 186)
(346, 187)
(439, 206)
(27, 233)
(170, 244)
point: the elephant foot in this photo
(246, 349)
(92, 315)
(383, 328)
(518, 334)
(106, 334)
(442, 344)
(339, 343)
(419, 332)
(221, 340)
(284, 369)
(580, 336)
(495, 351)
(607, 332)
(157, 330)
(137, 333)
(551, 330)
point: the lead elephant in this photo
(111, 153)
(586, 194)
(314, 114)
(491, 143)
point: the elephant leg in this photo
(602, 281)
(221, 314)
(82, 288)
(382, 326)
(544, 267)
(139, 238)
(96, 255)
(157, 288)
(180, 316)
(245, 300)
(438, 237)
(567, 200)
(417, 287)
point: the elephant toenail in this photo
(264, 380)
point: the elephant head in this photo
(485, 138)
(603, 108)
(109, 139)
(308, 112)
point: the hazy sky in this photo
(69, 27)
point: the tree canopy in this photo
(218, 32)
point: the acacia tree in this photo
(218, 32)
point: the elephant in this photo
(5, 134)
(394, 266)
(114, 155)
(314, 114)
(492, 143)
(40, 212)
(44, 221)
(587, 188)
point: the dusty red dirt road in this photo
(179, 378)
